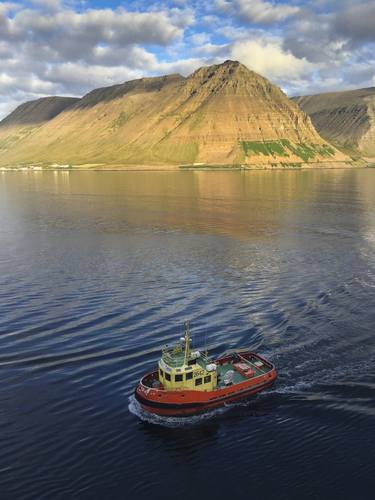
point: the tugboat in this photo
(188, 382)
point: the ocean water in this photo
(98, 270)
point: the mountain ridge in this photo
(38, 110)
(220, 114)
(346, 118)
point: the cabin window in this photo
(167, 376)
(198, 381)
(161, 373)
(192, 362)
(207, 379)
(178, 378)
(189, 375)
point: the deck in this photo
(223, 369)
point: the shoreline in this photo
(188, 168)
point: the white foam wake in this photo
(136, 409)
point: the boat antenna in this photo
(187, 340)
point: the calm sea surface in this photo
(99, 270)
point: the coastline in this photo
(189, 167)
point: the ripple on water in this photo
(94, 284)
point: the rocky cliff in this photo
(347, 119)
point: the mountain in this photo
(221, 114)
(39, 111)
(28, 117)
(347, 119)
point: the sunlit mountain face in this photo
(223, 114)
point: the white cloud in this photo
(211, 50)
(181, 17)
(68, 28)
(8, 7)
(133, 56)
(64, 47)
(200, 38)
(5, 80)
(83, 75)
(31, 84)
(356, 22)
(268, 58)
(184, 67)
(50, 48)
(258, 11)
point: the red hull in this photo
(190, 402)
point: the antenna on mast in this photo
(187, 340)
(205, 343)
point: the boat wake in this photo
(174, 422)
(294, 388)
(189, 421)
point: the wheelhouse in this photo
(181, 368)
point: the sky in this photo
(69, 47)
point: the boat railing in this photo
(174, 356)
(175, 349)
(204, 357)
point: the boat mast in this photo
(187, 342)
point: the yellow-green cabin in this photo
(183, 369)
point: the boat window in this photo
(167, 376)
(198, 381)
(192, 362)
(161, 373)
(178, 378)
(189, 376)
(207, 379)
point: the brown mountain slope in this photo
(345, 118)
(28, 117)
(39, 111)
(222, 114)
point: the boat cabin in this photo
(181, 368)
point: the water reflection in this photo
(242, 204)
(98, 270)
